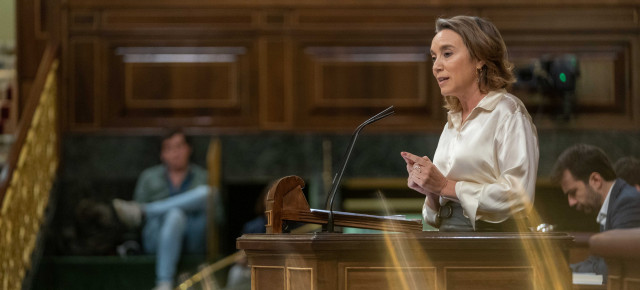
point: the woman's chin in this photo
(445, 93)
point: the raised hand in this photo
(424, 177)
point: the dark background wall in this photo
(107, 166)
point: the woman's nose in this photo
(437, 65)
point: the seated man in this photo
(170, 203)
(589, 181)
(628, 168)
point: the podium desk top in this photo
(422, 240)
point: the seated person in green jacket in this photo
(170, 205)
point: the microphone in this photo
(336, 179)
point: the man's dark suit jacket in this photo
(623, 213)
(624, 207)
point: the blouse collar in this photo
(488, 103)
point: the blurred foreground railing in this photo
(30, 172)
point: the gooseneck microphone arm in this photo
(336, 180)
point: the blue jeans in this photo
(170, 222)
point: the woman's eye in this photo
(447, 54)
(433, 58)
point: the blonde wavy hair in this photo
(484, 42)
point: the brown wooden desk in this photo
(621, 250)
(579, 249)
(425, 260)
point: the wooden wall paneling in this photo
(371, 20)
(603, 88)
(634, 102)
(315, 66)
(84, 20)
(346, 3)
(84, 82)
(30, 48)
(276, 96)
(361, 61)
(275, 18)
(63, 98)
(343, 82)
(167, 21)
(37, 22)
(601, 85)
(554, 19)
(42, 18)
(174, 82)
(606, 40)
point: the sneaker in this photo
(128, 248)
(128, 212)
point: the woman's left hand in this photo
(424, 176)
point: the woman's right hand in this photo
(424, 176)
(414, 183)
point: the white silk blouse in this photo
(493, 156)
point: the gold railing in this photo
(32, 166)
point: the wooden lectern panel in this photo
(299, 278)
(489, 278)
(268, 277)
(365, 278)
(426, 260)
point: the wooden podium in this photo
(406, 259)
(427, 260)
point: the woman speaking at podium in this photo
(483, 173)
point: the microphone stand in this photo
(336, 180)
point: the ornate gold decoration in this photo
(27, 195)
